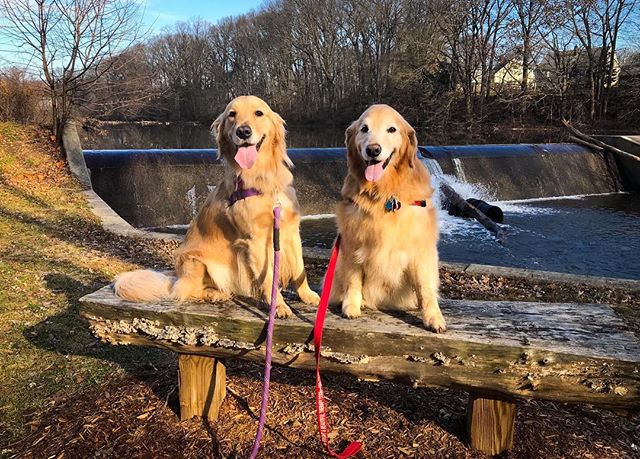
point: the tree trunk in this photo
(524, 85)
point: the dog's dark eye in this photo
(232, 114)
(259, 113)
(391, 130)
(364, 128)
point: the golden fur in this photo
(229, 249)
(387, 259)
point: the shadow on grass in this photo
(90, 235)
(66, 333)
(22, 194)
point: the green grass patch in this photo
(53, 252)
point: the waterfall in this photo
(459, 170)
(191, 200)
(433, 166)
(449, 224)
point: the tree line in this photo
(438, 61)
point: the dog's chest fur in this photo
(385, 240)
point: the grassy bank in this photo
(64, 394)
(52, 251)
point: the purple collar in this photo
(241, 192)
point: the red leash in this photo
(321, 407)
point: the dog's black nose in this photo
(243, 132)
(373, 150)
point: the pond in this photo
(592, 235)
(192, 135)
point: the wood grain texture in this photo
(490, 424)
(202, 386)
(580, 353)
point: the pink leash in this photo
(268, 343)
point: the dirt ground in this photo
(63, 394)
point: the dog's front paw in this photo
(283, 311)
(213, 295)
(351, 310)
(310, 297)
(434, 322)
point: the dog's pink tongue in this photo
(246, 156)
(373, 172)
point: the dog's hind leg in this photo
(213, 295)
(190, 284)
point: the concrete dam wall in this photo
(150, 188)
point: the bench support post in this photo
(202, 386)
(490, 423)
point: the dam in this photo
(567, 208)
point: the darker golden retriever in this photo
(228, 247)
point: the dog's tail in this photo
(144, 285)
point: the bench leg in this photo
(201, 383)
(490, 424)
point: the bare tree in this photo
(529, 13)
(597, 24)
(323, 60)
(71, 43)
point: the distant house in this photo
(508, 75)
(562, 69)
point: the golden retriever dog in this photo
(389, 256)
(228, 249)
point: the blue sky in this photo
(158, 14)
(162, 13)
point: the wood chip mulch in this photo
(135, 417)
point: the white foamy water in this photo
(191, 200)
(451, 225)
(317, 217)
(558, 198)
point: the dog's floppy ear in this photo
(354, 160)
(217, 127)
(279, 137)
(411, 145)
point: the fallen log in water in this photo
(597, 144)
(470, 209)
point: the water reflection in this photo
(191, 135)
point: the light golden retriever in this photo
(228, 248)
(389, 256)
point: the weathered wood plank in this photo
(202, 386)
(490, 424)
(563, 352)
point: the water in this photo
(593, 235)
(193, 135)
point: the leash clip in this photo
(392, 204)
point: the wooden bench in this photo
(497, 351)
